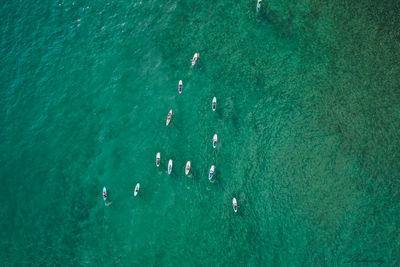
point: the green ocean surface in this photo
(308, 122)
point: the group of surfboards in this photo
(188, 164)
(214, 140)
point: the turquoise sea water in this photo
(308, 120)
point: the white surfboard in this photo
(180, 86)
(137, 187)
(195, 57)
(104, 193)
(211, 173)
(215, 140)
(158, 159)
(187, 169)
(214, 104)
(170, 166)
(235, 206)
(258, 5)
(169, 117)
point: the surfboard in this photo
(234, 203)
(170, 166)
(137, 187)
(169, 117)
(195, 57)
(180, 86)
(187, 169)
(214, 104)
(215, 140)
(158, 159)
(211, 173)
(104, 193)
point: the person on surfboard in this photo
(258, 5)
